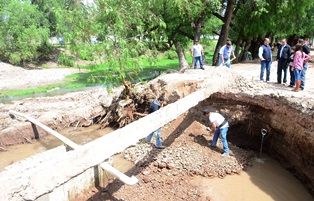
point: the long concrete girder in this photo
(44, 178)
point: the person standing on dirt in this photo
(219, 128)
(292, 78)
(283, 57)
(154, 106)
(225, 53)
(265, 55)
(307, 51)
(298, 65)
(197, 54)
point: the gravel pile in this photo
(190, 160)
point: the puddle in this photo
(265, 181)
(117, 161)
(79, 135)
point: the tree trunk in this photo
(224, 30)
(197, 29)
(197, 32)
(290, 40)
(182, 59)
(246, 45)
(238, 46)
(255, 44)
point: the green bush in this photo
(86, 52)
(23, 30)
(15, 58)
(170, 54)
(44, 50)
(65, 60)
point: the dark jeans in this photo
(303, 75)
(265, 65)
(282, 66)
(196, 59)
(292, 77)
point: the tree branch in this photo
(190, 36)
(218, 16)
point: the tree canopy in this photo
(127, 30)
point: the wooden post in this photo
(35, 131)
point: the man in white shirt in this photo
(224, 55)
(265, 55)
(197, 53)
(219, 128)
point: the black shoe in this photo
(160, 147)
(203, 68)
(278, 83)
(302, 89)
(291, 86)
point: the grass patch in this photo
(98, 76)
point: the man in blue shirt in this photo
(224, 55)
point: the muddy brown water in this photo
(80, 136)
(266, 180)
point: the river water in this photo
(266, 180)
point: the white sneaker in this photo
(225, 154)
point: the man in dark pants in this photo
(283, 57)
(307, 51)
(154, 106)
(265, 55)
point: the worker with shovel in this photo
(224, 55)
(219, 128)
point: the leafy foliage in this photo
(23, 31)
(170, 54)
(65, 60)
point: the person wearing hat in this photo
(219, 128)
(197, 54)
(307, 51)
(153, 107)
(224, 55)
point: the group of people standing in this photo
(295, 58)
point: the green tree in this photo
(23, 31)
(185, 21)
